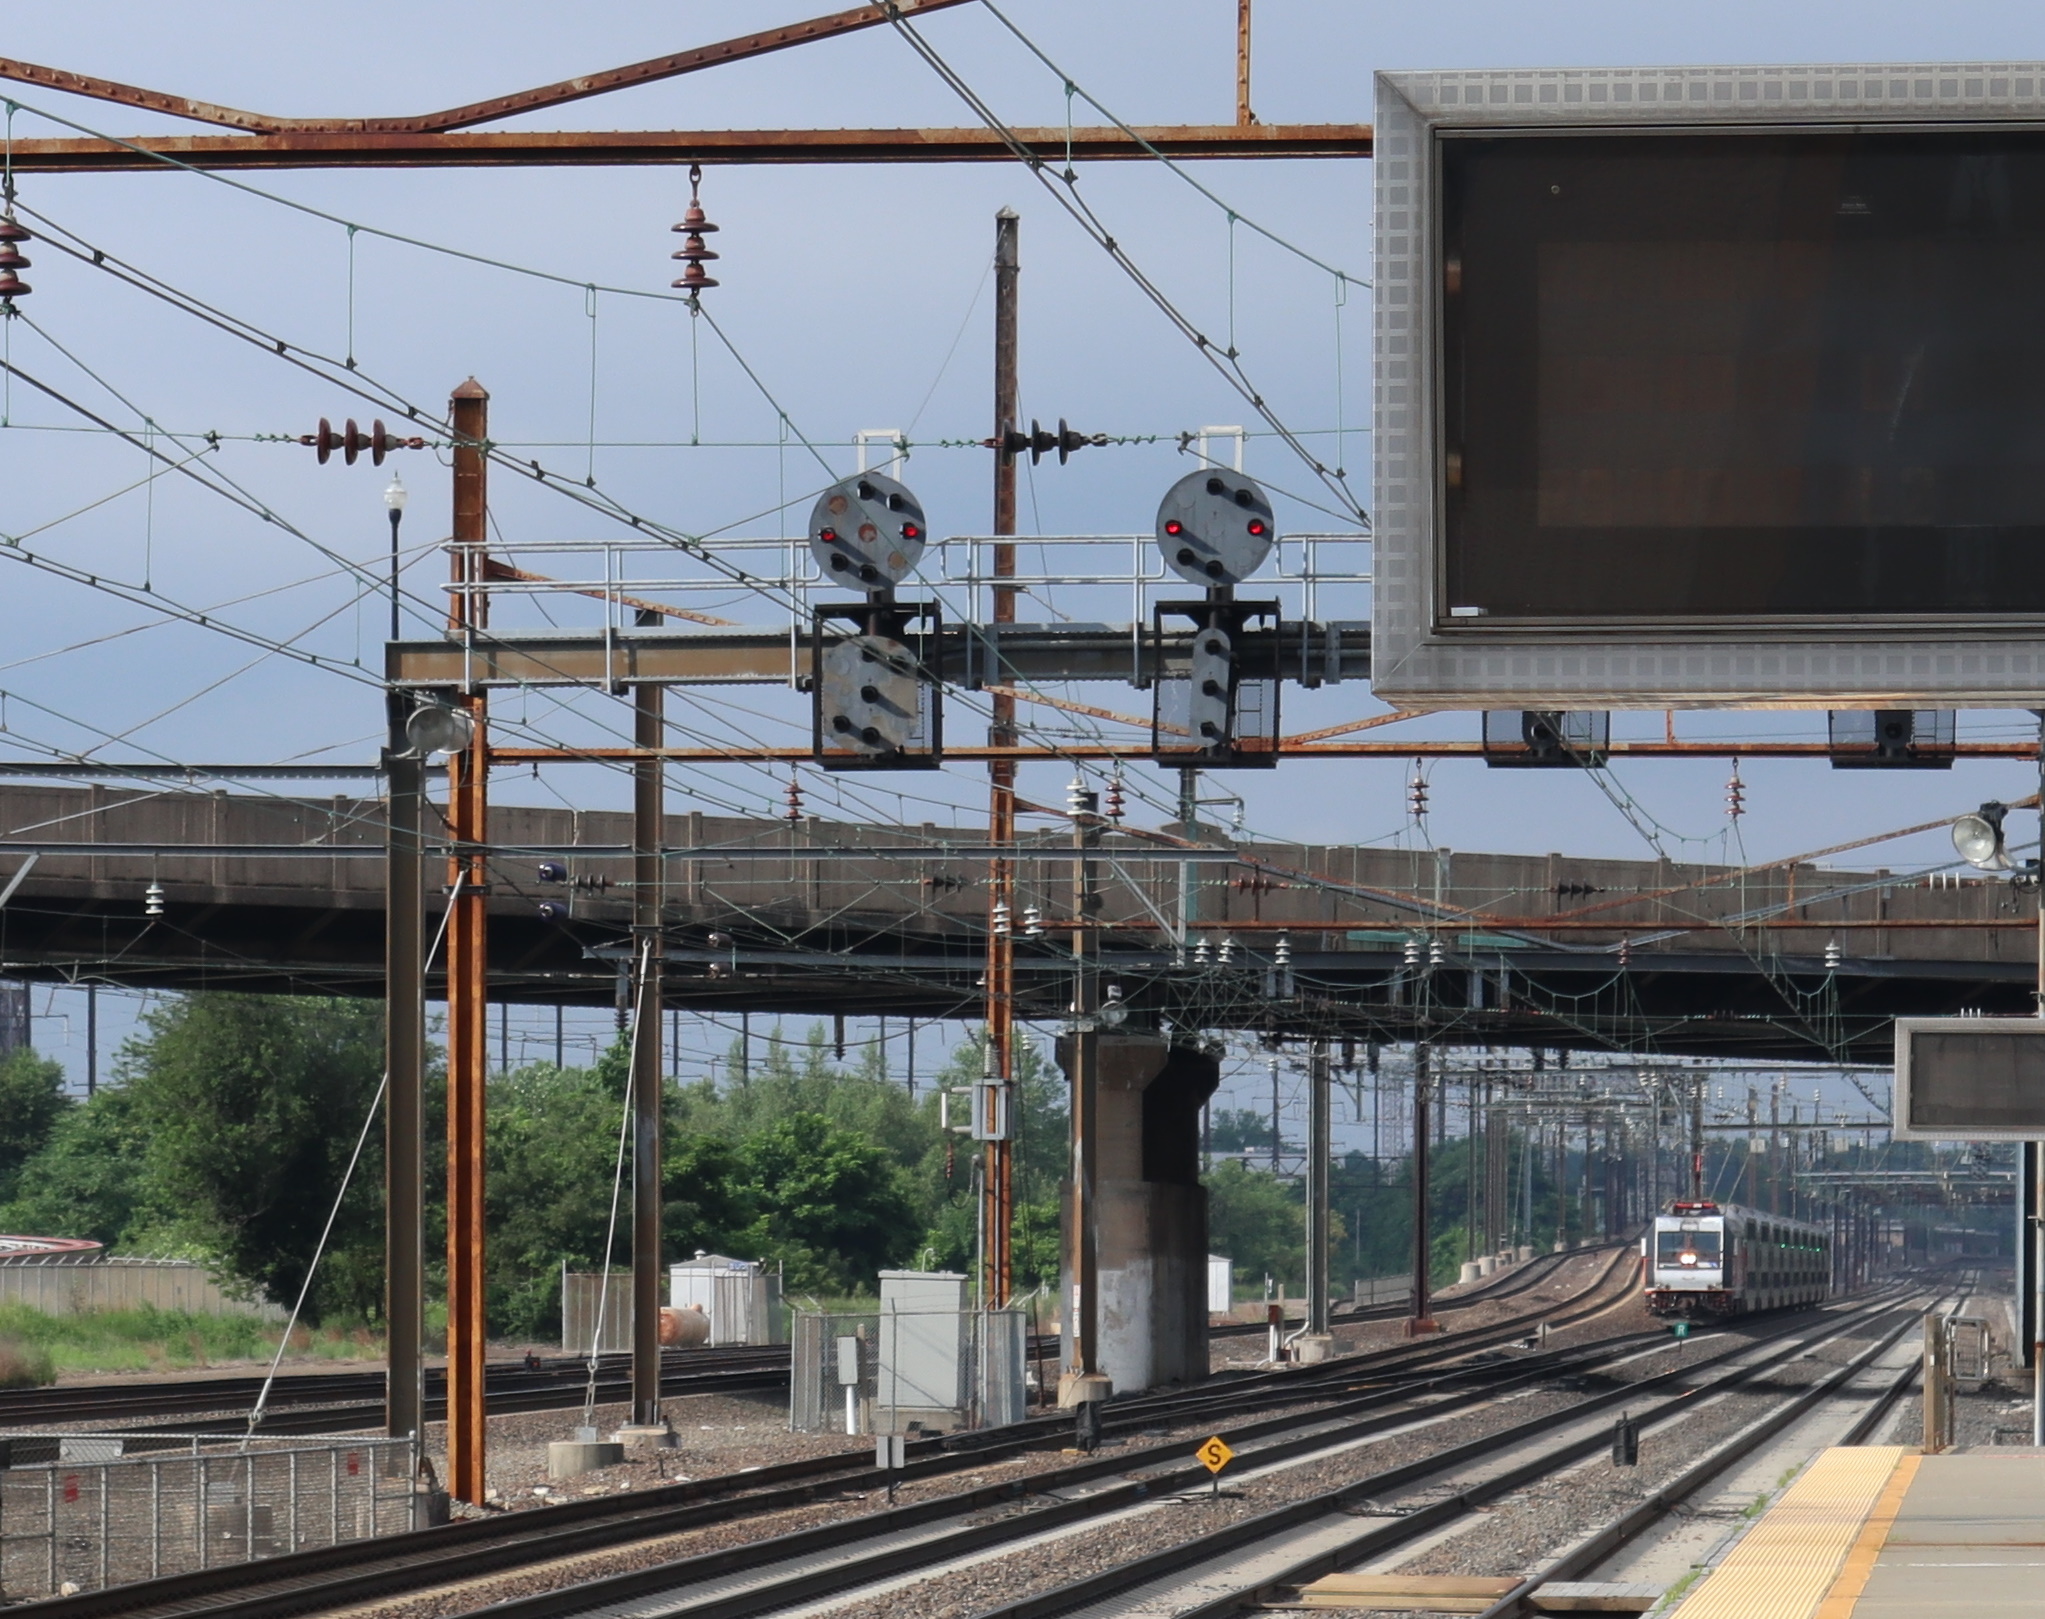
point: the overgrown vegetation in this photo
(145, 1339)
(23, 1367)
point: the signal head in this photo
(1214, 527)
(870, 528)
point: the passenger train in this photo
(1705, 1260)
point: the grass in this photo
(149, 1340)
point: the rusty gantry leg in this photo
(467, 975)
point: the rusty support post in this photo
(405, 1068)
(648, 827)
(997, 1185)
(1244, 117)
(467, 972)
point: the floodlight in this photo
(438, 728)
(1977, 838)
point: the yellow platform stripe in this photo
(1860, 1562)
(1783, 1567)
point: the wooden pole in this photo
(467, 974)
(1244, 117)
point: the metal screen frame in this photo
(1422, 662)
(1900, 1127)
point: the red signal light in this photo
(1175, 527)
(911, 532)
(1257, 527)
(829, 536)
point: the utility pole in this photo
(1272, 1064)
(1422, 1320)
(1697, 1139)
(1083, 1255)
(404, 1118)
(997, 1178)
(1319, 1142)
(91, 1040)
(648, 951)
(1243, 113)
(468, 987)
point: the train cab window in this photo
(1686, 1250)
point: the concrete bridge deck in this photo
(278, 894)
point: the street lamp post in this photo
(394, 498)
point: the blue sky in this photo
(857, 295)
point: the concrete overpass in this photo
(277, 894)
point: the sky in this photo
(851, 298)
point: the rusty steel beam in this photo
(468, 1052)
(625, 148)
(475, 112)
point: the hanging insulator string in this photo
(694, 227)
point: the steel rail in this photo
(1423, 1520)
(287, 1584)
(1596, 1547)
(844, 1574)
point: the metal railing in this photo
(83, 1511)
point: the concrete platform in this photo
(1879, 1532)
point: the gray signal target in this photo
(867, 532)
(1214, 527)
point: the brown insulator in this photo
(323, 441)
(12, 230)
(694, 279)
(12, 286)
(353, 439)
(695, 222)
(11, 257)
(693, 250)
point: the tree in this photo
(252, 1106)
(833, 1209)
(91, 1178)
(32, 1100)
(1258, 1221)
(1232, 1130)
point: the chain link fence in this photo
(886, 1371)
(81, 1511)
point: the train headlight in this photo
(1686, 1259)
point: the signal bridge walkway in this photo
(286, 895)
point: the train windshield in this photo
(1687, 1250)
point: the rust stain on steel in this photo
(319, 149)
(493, 569)
(475, 112)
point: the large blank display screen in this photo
(1706, 377)
(1977, 1080)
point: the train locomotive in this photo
(1703, 1261)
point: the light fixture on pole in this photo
(1978, 840)
(394, 497)
(438, 727)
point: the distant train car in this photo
(1704, 1260)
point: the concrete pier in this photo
(1151, 1210)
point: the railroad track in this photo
(320, 1402)
(1358, 1395)
(343, 1402)
(1261, 1560)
